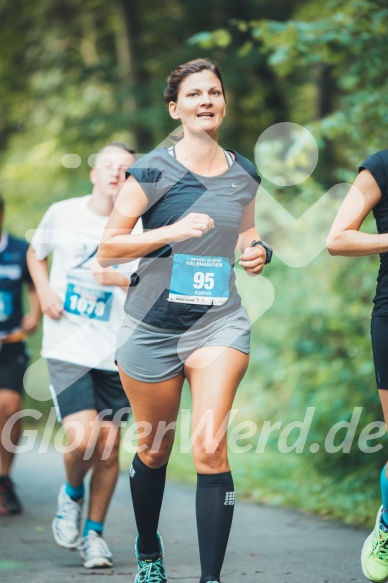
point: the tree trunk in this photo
(327, 156)
(132, 72)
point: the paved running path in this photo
(266, 546)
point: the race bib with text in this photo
(6, 305)
(199, 280)
(88, 301)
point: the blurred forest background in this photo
(74, 76)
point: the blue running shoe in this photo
(150, 567)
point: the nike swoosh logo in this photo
(235, 185)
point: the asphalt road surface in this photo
(267, 545)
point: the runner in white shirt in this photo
(83, 307)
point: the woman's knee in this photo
(210, 458)
(155, 457)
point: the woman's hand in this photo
(193, 225)
(253, 259)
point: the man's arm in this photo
(50, 304)
(30, 321)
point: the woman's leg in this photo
(379, 333)
(154, 406)
(384, 474)
(374, 558)
(214, 374)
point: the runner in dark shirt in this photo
(14, 327)
(370, 193)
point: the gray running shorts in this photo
(150, 354)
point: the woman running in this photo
(184, 318)
(370, 193)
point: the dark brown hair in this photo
(174, 81)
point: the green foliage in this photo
(348, 39)
(312, 349)
(73, 77)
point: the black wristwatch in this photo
(268, 250)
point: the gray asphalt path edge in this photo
(267, 545)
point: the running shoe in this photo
(94, 551)
(67, 522)
(374, 554)
(150, 567)
(9, 502)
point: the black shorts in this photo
(76, 388)
(13, 365)
(379, 333)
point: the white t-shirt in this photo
(86, 333)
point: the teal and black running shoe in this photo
(150, 567)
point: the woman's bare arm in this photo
(345, 237)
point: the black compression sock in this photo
(147, 488)
(214, 505)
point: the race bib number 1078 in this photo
(88, 301)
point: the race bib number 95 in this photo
(199, 280)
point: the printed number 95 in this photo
(203, 280)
